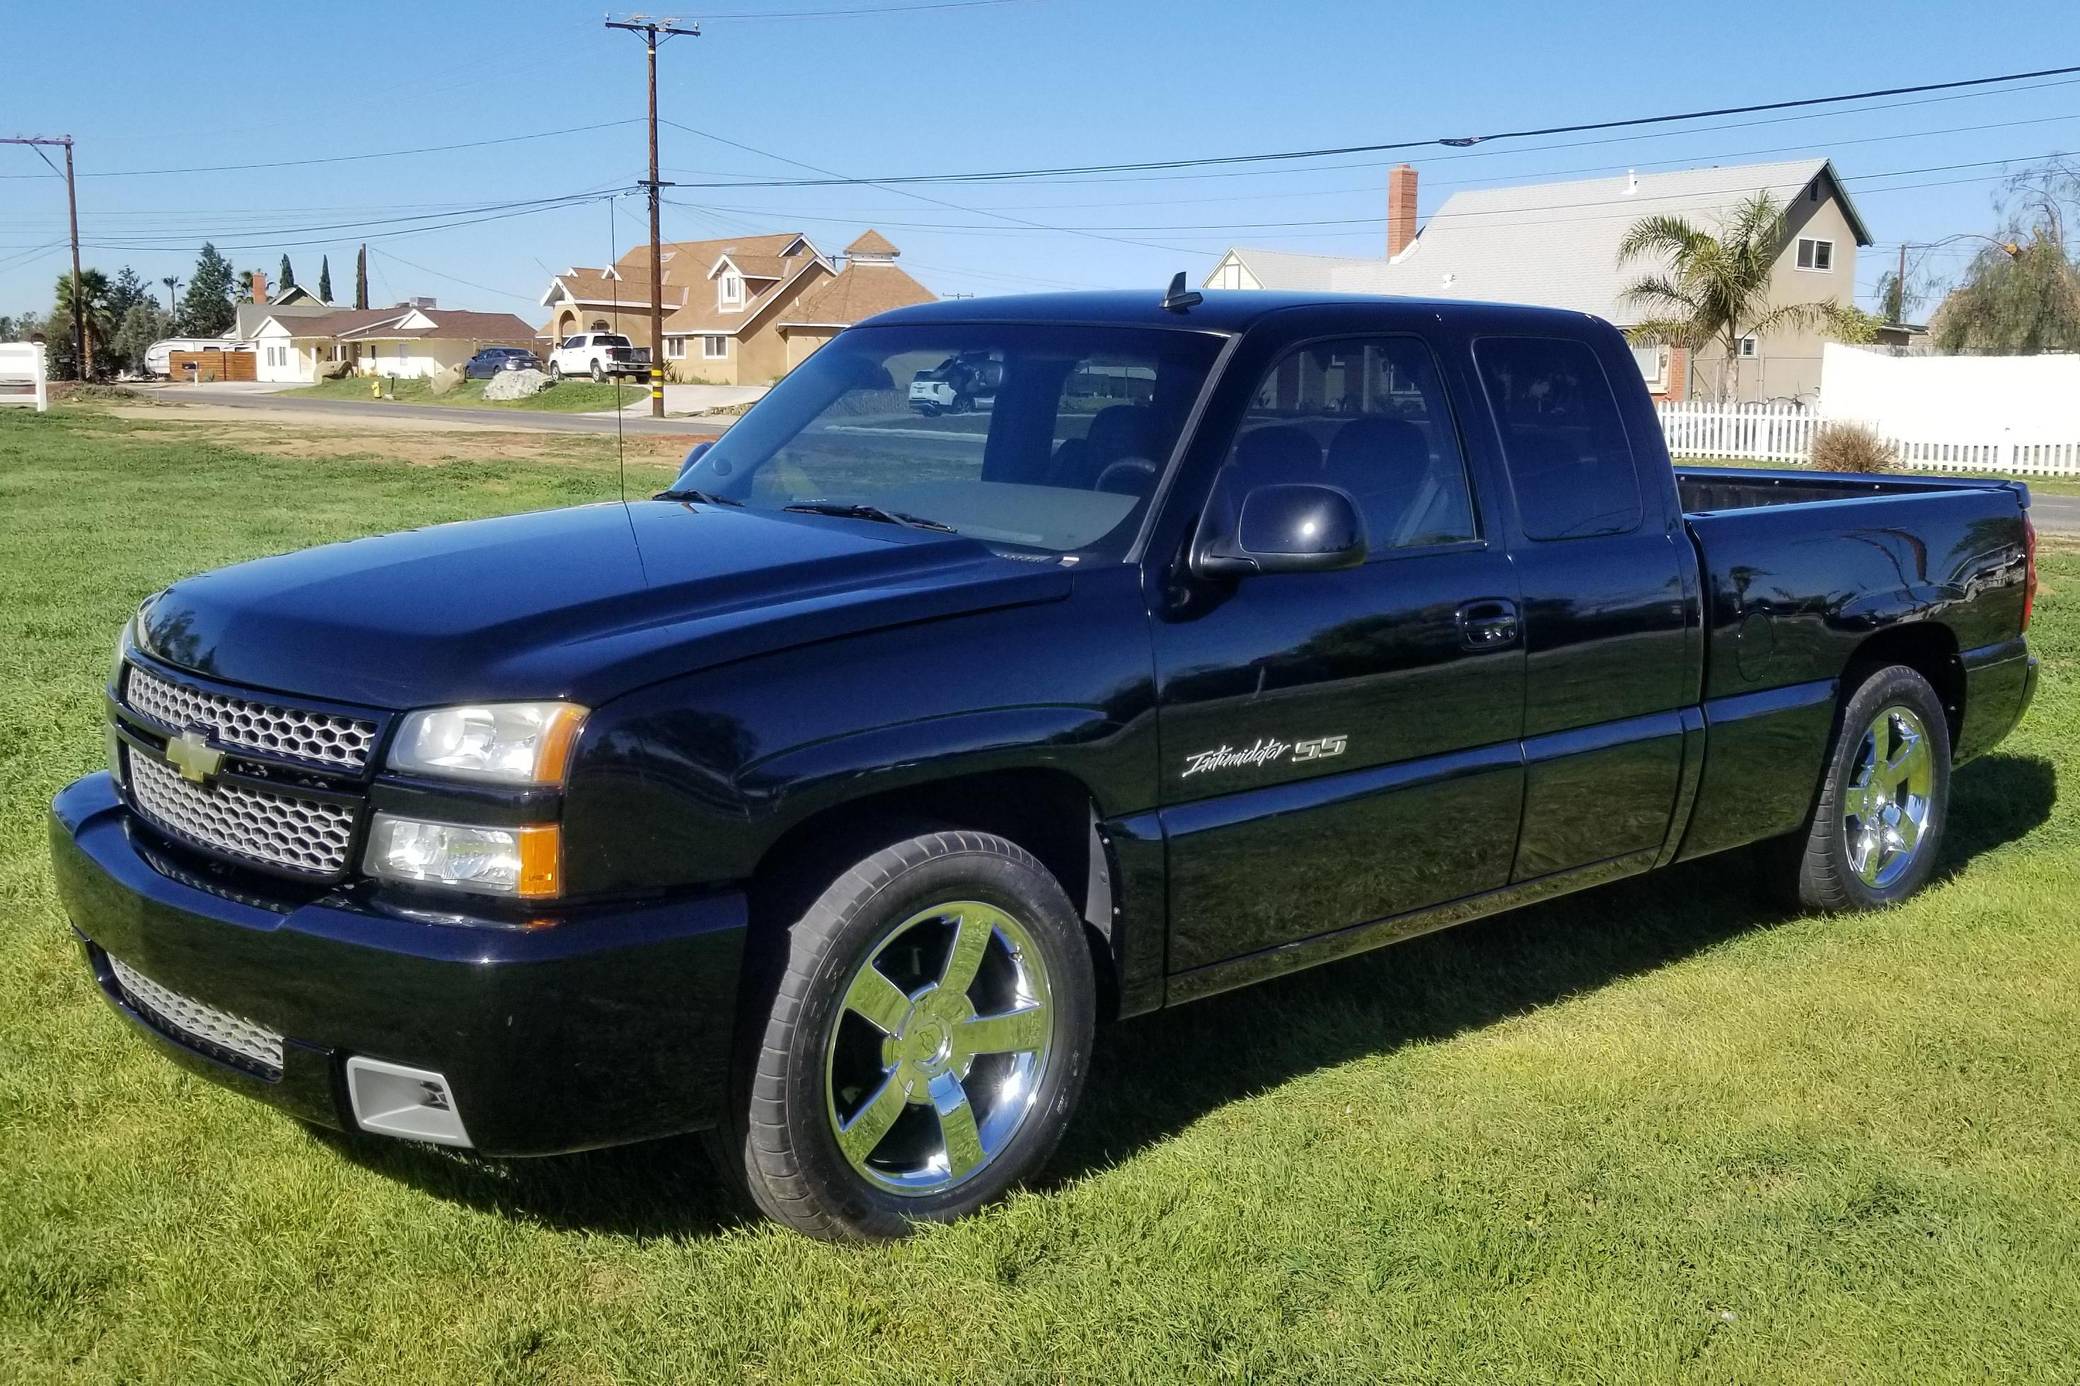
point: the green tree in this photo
(287, 279)
(96, 320)
(206, 307)
(325, 277)
(128, 290)
(2021, 293)
(145, 323)
(1714, 288)
(361, 277)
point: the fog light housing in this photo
(415, 1103)
(525, 862)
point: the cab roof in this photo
(1220, 310)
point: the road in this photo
(2055, 514)
(518, 419)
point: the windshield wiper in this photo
(859, 511)
(687, 493)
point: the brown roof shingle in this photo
(872, 242)
(859, 292)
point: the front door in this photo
(1341, 747)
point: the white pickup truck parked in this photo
(599, 355)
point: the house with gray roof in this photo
(1556, 244)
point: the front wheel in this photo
(1874, 834)
(926, 1042)
(555, 374)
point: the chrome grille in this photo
(270, 728)
(263, 825)
(205, 1027)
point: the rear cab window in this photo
(1569, 459)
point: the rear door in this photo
(1338, 747)
(1607, 581)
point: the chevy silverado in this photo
(826, 801)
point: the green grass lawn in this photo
(566, 397)
(1654, 1132)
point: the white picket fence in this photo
(1784, 433)
(23, 375)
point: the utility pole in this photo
(650, 29)
(81, 359)
(1899, 286)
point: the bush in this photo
(1847, 447)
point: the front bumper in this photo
(602, 1024)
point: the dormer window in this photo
(730, 292)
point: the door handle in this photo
(1489, 625)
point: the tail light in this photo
(2029, 570)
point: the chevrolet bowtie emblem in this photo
(192, 755)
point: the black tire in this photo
(1821, 863)
(784, 1145)
(598, 375)
(555, 373)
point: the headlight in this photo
(505, 743)
(525, 862)
(115, 665)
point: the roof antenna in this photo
(1180, 299)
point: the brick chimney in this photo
(259, 286)
(1401, 208)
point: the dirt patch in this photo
(418, 440)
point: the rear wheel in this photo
(1874, 834)
(598, 374)
(925, 1043)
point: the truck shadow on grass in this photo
(1154, 1076)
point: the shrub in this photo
(1849, 447)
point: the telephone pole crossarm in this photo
(653, 32)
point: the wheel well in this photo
(1923, 646)
(1049, 813)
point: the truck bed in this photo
(1706, 490)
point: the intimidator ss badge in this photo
(1265, 750)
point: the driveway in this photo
(692, 399)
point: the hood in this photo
(582, 604)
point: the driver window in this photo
(1108, 435)
(1368, 416)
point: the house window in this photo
(732, 290)
(1230, 276)
(1748, 346)
(715, 348)
(1652, 362)
(674, 348)
(1815, 254)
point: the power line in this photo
(1331, 151)
(935, 201)
(342, 158)
(451, 278)
(871, 12)
(139, 240)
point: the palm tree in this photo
(1714, 288)
(97, 318)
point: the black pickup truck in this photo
(827, 800)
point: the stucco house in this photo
(406, 339)
(738, 311)
(1556, 244)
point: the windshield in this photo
(1045, 437)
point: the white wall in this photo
(2031, 398)
(277, 358)
(408, 359)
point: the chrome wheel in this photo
(1886, 809)
(941, 1041)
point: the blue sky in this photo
(1019, 83)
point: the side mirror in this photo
(1289, 528)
